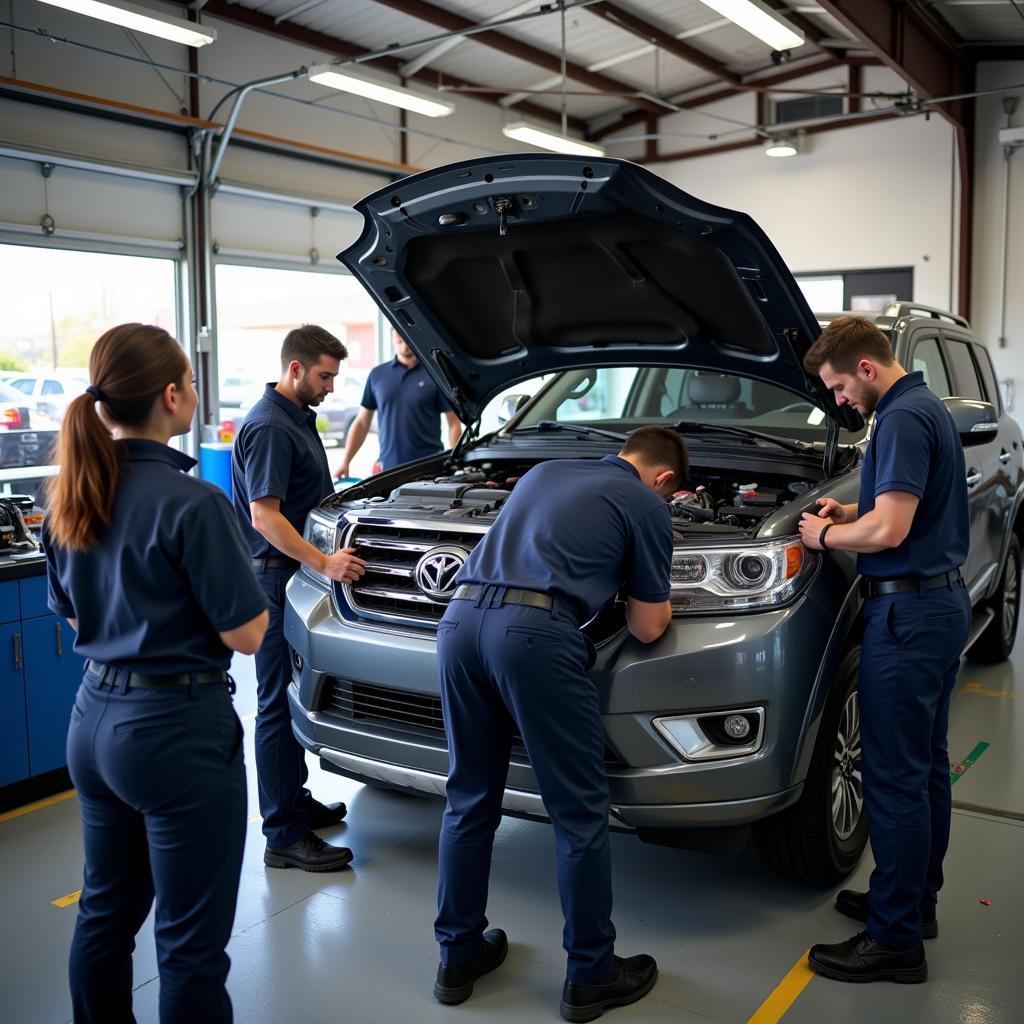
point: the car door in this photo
(926, 355)
(986, 476)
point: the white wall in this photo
(872, 196)
(990, 168)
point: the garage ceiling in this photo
(622, 56)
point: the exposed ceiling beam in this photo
(552, 62)
(809, 29)
(994, 51)
(320, 41)
(628, 120)
(664, 40)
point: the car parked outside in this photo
(27, 436)
(646, 306)
(51, 393)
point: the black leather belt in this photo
(531, 598)
(273, 562)
(908, 584)
(137, 681)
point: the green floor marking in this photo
(957, 770)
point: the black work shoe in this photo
(324, 815)
(310, 853)
(862, 959)
(630, 980)
(856, 905)
(455, 984)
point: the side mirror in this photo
(509, 406)
(976, 422)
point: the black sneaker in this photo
(862, 959)
(454, 985)
(324, 815)
(857, 905)
(310, 853)
(630, 980)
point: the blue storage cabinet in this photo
(39, 678)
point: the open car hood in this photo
(601, 263)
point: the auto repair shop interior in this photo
(585, 216)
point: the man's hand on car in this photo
(831, 509)
(343, 566)
(811, 526)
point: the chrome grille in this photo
(389, 590)
(405, 711)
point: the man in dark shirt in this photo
(279, 473)
(410, 408)
(511, 654)
(911, 531)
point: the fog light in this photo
(737, 726)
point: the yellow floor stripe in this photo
(775, 1007)
(37, 806)
(982, 691)
(67, 901)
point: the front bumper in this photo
(770, 659)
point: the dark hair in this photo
(845, 342)
(308, 343)
(659, 446)
(129, 367)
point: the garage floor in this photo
(357, 946)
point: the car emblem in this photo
(436, 571)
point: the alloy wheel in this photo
(847, 788)
(1011, 595)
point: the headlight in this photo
(743, 577)
(322, 533)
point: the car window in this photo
(988, 375)
(52, 387)
(964, 372)
(927, 358)
(23, 384)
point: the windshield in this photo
(624, 397)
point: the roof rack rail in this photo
(898, 309)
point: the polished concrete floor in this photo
(357, 946)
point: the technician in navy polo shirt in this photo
(911, 531)
(410, 408)
(511, 654)
(147, 564)
(279, 474)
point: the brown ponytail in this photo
(129, 367)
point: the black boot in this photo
(455, 984)
(310, 853)
(630, 980)
(862, 959)
(857, 905)
(324, 815)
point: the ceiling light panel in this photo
(140, 19)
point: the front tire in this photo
(822, 836)
(996, 642)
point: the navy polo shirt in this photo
(410, 407)
(579, 529)
(915, 447)
(168, 574)
(278, 453)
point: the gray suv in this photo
(626, 302)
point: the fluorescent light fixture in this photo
(788, 146)
(759, 20)
(523, 132)
(334, 78)
(140, 19)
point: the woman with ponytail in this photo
(147, 564)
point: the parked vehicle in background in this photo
(27, 436)
(647, 306)
(51, 393)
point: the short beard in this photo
(306, 394)
(870, 399)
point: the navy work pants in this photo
(280, 759)
(908, 668)
(161, 788)
(507, 665)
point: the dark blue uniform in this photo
(278, 453)
(410, 409)
(575, 530)
(159, 771)
(910, 656)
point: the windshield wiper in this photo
(696, 426)
(573, 428)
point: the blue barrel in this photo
(215, 465)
